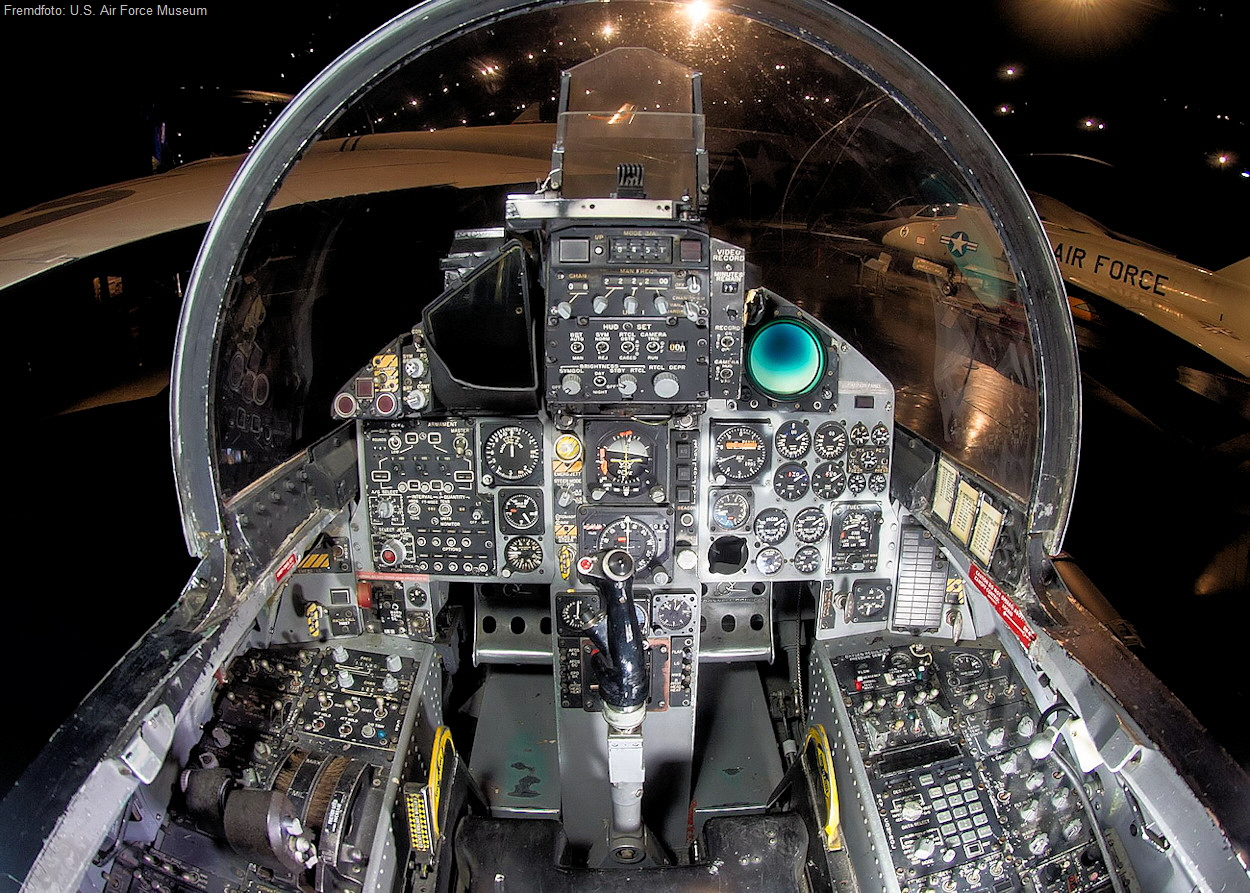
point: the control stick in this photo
(619, 663)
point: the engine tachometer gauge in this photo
(830, 440)
(511, 453)
(792, 440)
(625, 462)
(740, 452)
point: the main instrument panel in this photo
(629, 450)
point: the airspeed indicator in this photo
(740, 453)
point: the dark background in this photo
(1161, 517)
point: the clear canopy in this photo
(861, 189)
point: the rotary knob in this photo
(666, 385)
(571, 385)
(627, 384)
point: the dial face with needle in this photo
(625, 462)
(740, 452)
(520, 511)
(524, 554)
(672, 612)
(512, 453)
(632, 535)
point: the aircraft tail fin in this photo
(1238, 272)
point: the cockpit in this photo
(624, 444)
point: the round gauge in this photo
(771, 526)
(880, 434)
(967, 666)
(741, 452)
(901, 659)
(512, 453)
(792, 440)
(856, 531)
(523, 554)
(672, 612)
(828, 480)
(807, 560)
(625, 462)
(574, 610)
(859, 434)
(769, 561)
(856, 483)
(791, 481)
(876, 482)
(730, 510)
(830, 440)
(634, 537)
(869, 459)
(810, 525)
(870, 600)
(520, 511)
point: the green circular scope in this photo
(785, 359)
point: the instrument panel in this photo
(718, 435)
(761, 497)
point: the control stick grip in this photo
(619, 661)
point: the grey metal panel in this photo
(739, 758)
(514, 754)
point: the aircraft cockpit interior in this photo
(621, 483)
